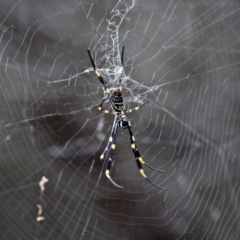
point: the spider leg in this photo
(120, 71)
(100, 106)
(144, 175)
(98, 74)
(137, 153)
(137, 108)
(140, 161)
(112, 141)
(108, 169)
(122, 55)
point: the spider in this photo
(115, 98)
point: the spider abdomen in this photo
(117, 103)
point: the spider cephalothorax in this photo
(121, 120)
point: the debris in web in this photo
(42, 183)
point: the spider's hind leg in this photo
(112, 143)
(108, 169)
(137, 153)
(140, 161)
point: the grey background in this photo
(189, 51)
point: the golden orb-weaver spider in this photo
(121, 120)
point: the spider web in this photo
(182, 56)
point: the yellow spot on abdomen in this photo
(102, 157)
(136, 108)
(110, 139)
(133, 138)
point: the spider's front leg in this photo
(140, 161)
(120, 71)
(98, 74)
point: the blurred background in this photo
(181, 55)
